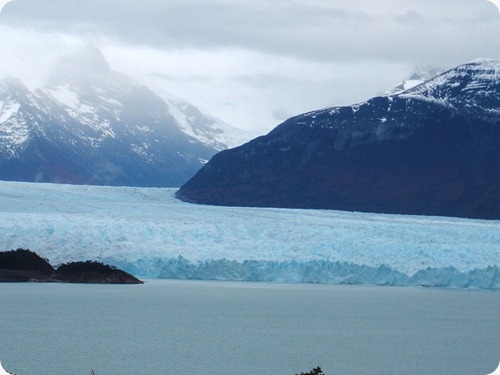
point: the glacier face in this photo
(148, 232)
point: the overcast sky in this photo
(253, 63)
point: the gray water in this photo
(224, 328)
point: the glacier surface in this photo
(151, 234)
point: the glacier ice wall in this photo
(151, 234)
(325, 272)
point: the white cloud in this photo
(31, 55)
(247, 88)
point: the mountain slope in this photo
(430, 150)
(205, 128)
(94, 126)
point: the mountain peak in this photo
(89, 60)
(205, 128)
(417, 77)
(490, 68)
(470, 88)
(480, 69)
(483, 60)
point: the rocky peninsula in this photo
(26, 266)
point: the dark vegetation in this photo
(24, 260)
(314, 371)
(91, 272)
(24, 265)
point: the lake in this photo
(228, 328)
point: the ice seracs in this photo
(149, 233)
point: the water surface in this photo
(225, 328)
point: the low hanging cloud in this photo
(252, 62)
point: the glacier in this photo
(148, 232)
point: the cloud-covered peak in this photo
(84, 64)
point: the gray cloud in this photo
(340, 30)
(250, 62)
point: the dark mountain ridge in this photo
(430, 150)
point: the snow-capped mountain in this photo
(419, 76)
(205, 128)
(471, 89)
(433, 149)
(91, 125)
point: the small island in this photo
(27, 266)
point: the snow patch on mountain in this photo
(14, 131)
(13, 135)
(7, 110)
(419, 76)
(65, 96)
(97, 117)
